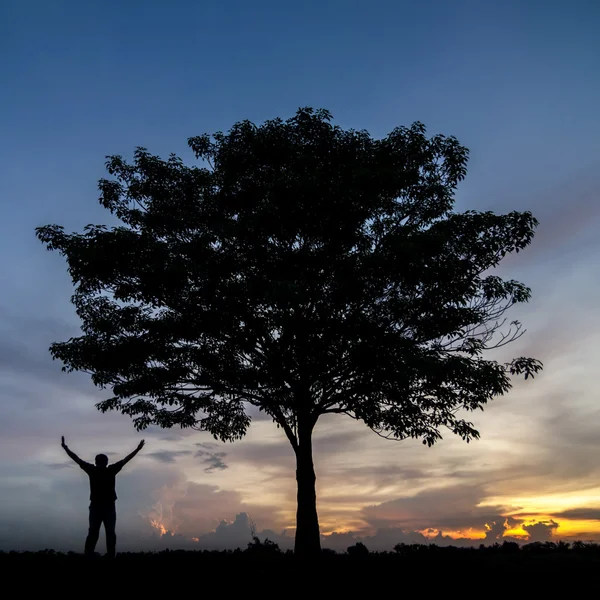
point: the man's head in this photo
(101, 460)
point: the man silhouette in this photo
(102, 497)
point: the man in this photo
(102, 497)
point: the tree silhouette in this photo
(303, 269)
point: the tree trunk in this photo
(308, 539)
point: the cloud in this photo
(214, 460)
(387, 537)
(24, 350)
(378, 476)
(383, 540)
(453, 508)
(195, 510)
(229, 535)
(584, 514)
(575, 210)
(277, 453)
(540, 531)
(329, 441)
(567, 213)
(179, 508)
(237, 534)
(167, 456)
(495, 530)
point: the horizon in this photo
(515, 84)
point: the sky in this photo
(517, 82)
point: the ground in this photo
(411, 570)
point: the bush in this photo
(263, 548)
(359, 549)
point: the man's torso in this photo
(102, 483)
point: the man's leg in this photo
(94, 530)
(110, 521)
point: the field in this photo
(264, 569)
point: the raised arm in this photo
(72, 454)
(125, 460)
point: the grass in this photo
(262, 567)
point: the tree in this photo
(358, 550)
(300, 268)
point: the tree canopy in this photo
(301, 268)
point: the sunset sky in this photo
(516, 81)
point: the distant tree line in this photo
(270, 548)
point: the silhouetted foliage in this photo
(230, 567)
(303, 269)
(266, 547)
(559, 546)
(358, 549)
(510, 546)
(580, 546)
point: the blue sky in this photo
(516, 82)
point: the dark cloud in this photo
(62, 465)
(576, 211)
(379, 476)
(495, 530)
(280, 454)
(275, 455)
(563, 446)
(393, 471)
(167, 456)
(588, 536)
(566, 213)
(452, 508)
(540, 531)
(334, 442)
(176, 434)
(24, 351)
(584, 514)
(214, 460)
